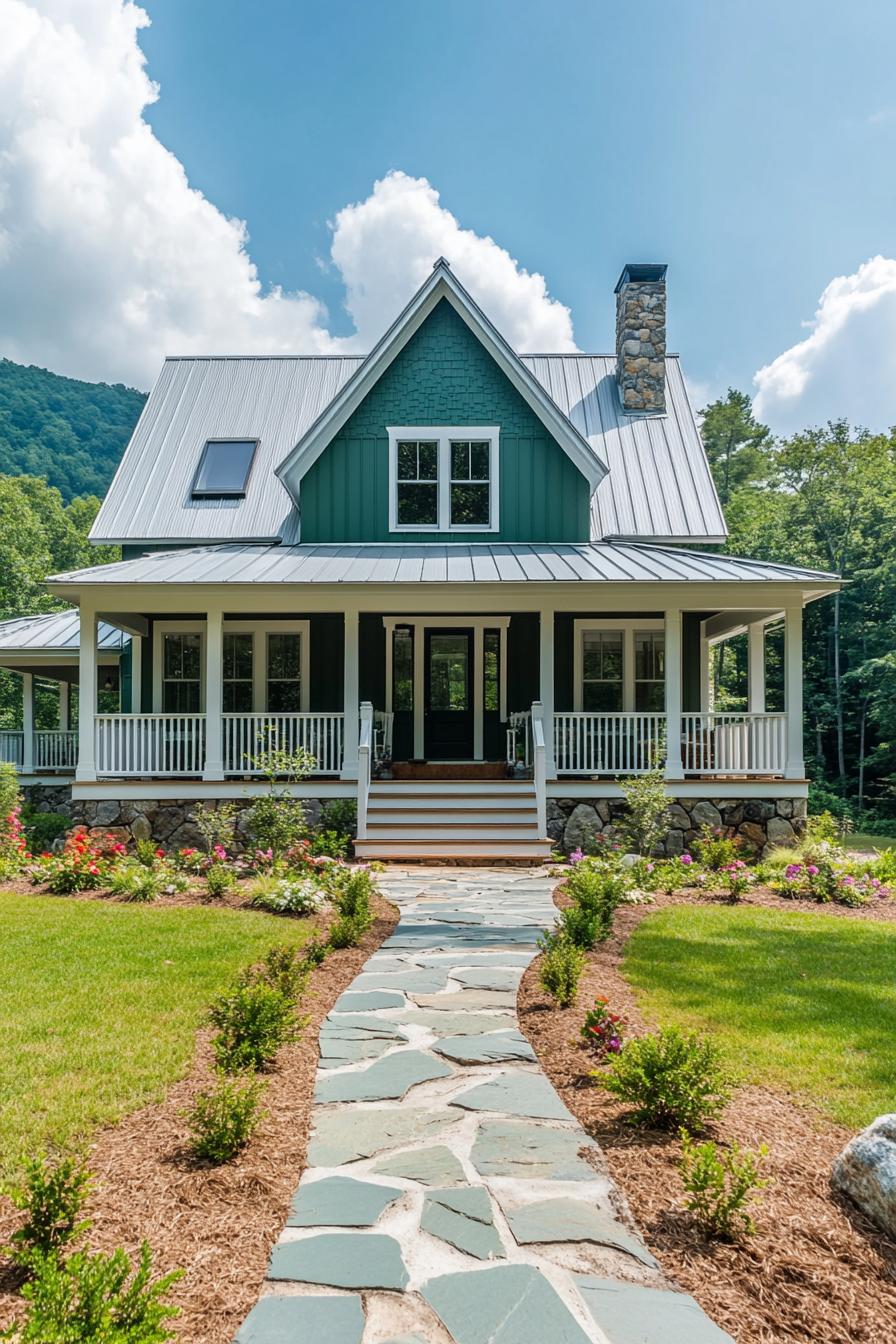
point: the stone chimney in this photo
(641, 337)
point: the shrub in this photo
(602, 1030)
(562, 964)
(253, 1021)
(216, 824)
(824, 881)
(674, 1079)
(287, 896)
(83, 864)
(735, 878)
(96, 1299)
(52, 1196)
(283, 968)
(352, 896)
(347, 931)
(330, 844)
(715, 848)
(721, 1185)
(669, 875)
(219, 879)
(10, 793)
(134, 882)
(223, 1118)
(597, 889)
(43, 829)
(884, 866)
(340, 814)
(581, 925)
(647, 819)
(276, 823)
(316, 951)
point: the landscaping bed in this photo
(216, 1222)
(815, 1269)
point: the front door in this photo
(448, 695)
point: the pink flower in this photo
(686, 859)
(812, 870)
(576, 856)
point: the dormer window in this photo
(443, 479)
(224, 467)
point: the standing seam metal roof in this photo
(594, 562)
(659, 486)
(58, 631)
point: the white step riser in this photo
(455, 816)
(494, 803)
(475, 787)
(459, 833)
(536, 851)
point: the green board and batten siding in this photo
(444, 376)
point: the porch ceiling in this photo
(442, 563)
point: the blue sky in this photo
(750, 145)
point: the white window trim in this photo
(443, 434)
(259, 631)
(628, 629)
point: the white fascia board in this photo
(441, 285)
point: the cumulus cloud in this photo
(109, 259)
(846, 366)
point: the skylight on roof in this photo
(223, 471)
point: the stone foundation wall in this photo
(166, 820)
(760, 822)
(49, 798)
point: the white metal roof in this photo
(57, 632)
(658, 487)
(588, 562)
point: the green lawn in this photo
(866, 843)
(99, 1004)
(803, 1001)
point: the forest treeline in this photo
(825, 498)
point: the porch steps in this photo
(462, 820)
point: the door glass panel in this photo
(238, 673)
(181, 671)
(448, 673)
(402, 670)
(284, 673)
(491, 670)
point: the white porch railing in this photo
(150, 744)
(55, 749)
(12, 746)
(608, 744)
(247, 736)
(734, 744)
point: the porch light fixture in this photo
(107, 684)
(224, 467)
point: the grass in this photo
(866, 843)
(99, 1005)
(801, 1001)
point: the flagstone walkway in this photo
(447, 1198)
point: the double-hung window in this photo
(443, 479)
(620, 666)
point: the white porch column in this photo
(793, 692)
(705, 671)
(65, 714)
(87, 694)
(546, 686)
(350, 700)
(27, 723)
(214, 695)
(756, 670)
(136, 673)
(673, 695)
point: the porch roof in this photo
(57, 632)
(441, 563)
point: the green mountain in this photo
(72, 433)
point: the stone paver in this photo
(466, 1190)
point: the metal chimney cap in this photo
(645, 272)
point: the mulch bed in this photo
(217, 1223)
(816, 1271)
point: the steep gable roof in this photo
(441, 284)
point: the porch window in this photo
(182, 673)
(238, 673)
(650, 672)
(602, 671)
(443, 479)
(284, 673)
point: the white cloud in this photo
(109, 259)
(846, 366)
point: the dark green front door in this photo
(448, 695)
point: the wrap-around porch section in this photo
(209, 697)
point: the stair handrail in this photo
(540, 772)
(365, 746)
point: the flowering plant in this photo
(13, 845)
(735, 877)
(602, 1030)
(84, 864)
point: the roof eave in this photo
(441, 284)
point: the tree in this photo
(737, 445)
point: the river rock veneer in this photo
(449, 1194)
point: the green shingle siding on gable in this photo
(443, 376)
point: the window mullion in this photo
(444, 461)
